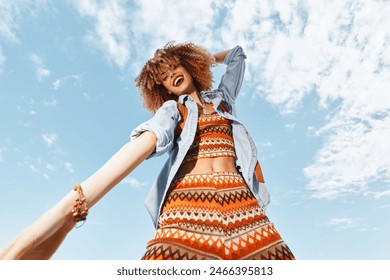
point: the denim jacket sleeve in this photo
(232, 79)
(163, 124)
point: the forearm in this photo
(220, 56)
(118, 166)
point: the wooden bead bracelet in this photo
(80, 207)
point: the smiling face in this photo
(192, 74)
(177, 80)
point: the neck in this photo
(197, 97)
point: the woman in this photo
(208, 202)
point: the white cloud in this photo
(2, 150)
(69, 167)
(181, 21)
(39, 166)
(266, 144)
(41, 71)
(86, 96)
(50, 138)
(8, 12)
(355, 154)
(290, 126)
(348, 223)
(339, 52)
(134, 183)
(335, 51)
(12, 12)
(50, 167)
(381, 194)
(57, 84)
(2, 59)
(343, 222)
(50, 103)
(348, 69)
(111, 28)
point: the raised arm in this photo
(232, 78)
(43, 237)
(220, 56)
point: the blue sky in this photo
(315, 99)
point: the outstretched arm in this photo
(43, 237)
(119, 166)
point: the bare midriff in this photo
(213, 148)
(208, 165)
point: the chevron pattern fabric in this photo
(214, 216)
(214, 138)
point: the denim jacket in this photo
(164, 122)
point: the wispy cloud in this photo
(59, 82)
(2, 59)
(69, 167)
(30, 110)
(12, 14)
(381, 194)
(290, 126)
(134, 183)
(8, 13)
(266, 144)
(41, 70)
(39, 166)
(164, 21)
(2, 150)
(111, 29)
(50, 139)
(337, 51)
(343, 222)
(50, 103)
(119, 29)
(86, 96)
(351, 223)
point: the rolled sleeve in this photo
(163, 124)
(232, 79)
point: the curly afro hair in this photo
(196, 59)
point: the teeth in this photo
(178, 80)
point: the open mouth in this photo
(178, 80)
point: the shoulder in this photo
(168, 109)
(170, 105)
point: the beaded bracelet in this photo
(80, 207)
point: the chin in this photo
(179, 94)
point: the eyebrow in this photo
(162, 74)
